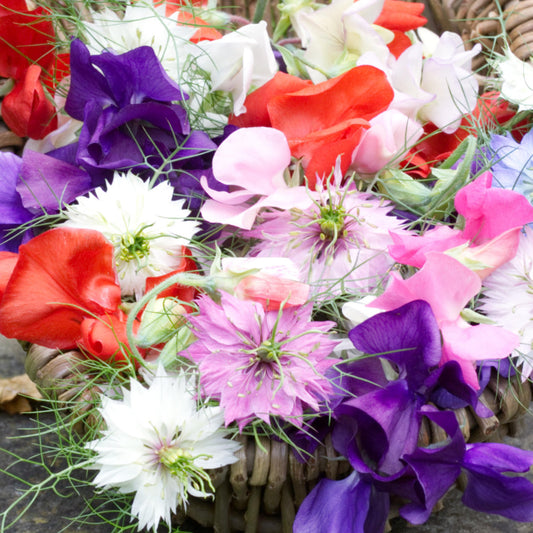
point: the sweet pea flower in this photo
(271, 281)
(448, 286)
(447, 73)
(335, 35)
(237, 63)
(251, 161)
(386, 142)
(61, 277)
(493, 220)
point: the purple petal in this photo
(47, 183)
(137, 76)
(350, 505)
(12, 211)
(491, 492)
(436, 468)
(375, 430)
(409, 336)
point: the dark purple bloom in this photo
(133, 119)
(377, 431)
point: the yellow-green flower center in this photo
(180, 464)
(133, 247)
(331, 222)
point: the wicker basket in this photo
(263, 489)
(491, 23)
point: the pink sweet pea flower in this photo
(493, 221)
(273, 281)
(447, 285)
(251, 161)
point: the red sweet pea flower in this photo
(105, 338)
(27, 56)
(256, 102)
(326, 120)
(61, 277)
(322, 121)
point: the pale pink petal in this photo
(443, 282)
(492, 254)
(475, 343)
(254, 159)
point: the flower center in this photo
(331, 222)
(180, 464)
(133, 247)
(267, 352)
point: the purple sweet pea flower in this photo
(132, 118)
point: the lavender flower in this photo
(260, 363)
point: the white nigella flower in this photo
(508, 300)
(159, 445)
(146, 226)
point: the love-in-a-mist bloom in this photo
(340, 242)
(158, 445)
(146, 226)
(508, 300)
(260, 363)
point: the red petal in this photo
(204, 31)
(8, 260)
(256, 102)
(105, 337)
(362, 92)
(183, 293)
(61, 277)
(27, 38)
(402, 16)
(26, 110)
(399, 44)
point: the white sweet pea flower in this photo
(238, 62)
(158, 445)
(336, 35)
(516, 80)
(447, 73)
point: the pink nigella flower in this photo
(260, 363)
(340, 242)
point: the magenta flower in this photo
(260, 363)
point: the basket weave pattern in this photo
(491, 23)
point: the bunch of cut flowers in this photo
(313, 232)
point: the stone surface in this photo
(50, 513)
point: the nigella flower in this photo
(340, 242)
(158, 445)
(146, 226)
(260, 363)
(508, 300)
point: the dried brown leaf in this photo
(14, 394)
